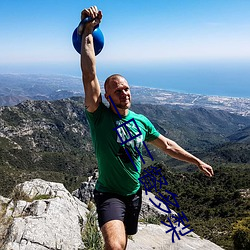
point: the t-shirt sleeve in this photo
(94, 117)
(152, 133)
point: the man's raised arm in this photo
(88, 64)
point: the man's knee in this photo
(115, 245)
(114, 235)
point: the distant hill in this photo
(232, 153)
(45, 139)
(51, 139)
(15, 88)
(194, 127)
(236, 150)
(241, 136)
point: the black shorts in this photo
(117, 207)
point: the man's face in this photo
(119, 91)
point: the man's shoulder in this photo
(137, 115)
(103, 106)
(140, 119)
(98, 115)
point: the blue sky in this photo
(35, 35)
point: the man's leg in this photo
(133, 207)
(114, 235)
(111, 212)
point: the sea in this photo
(231, 79)
(228, 79)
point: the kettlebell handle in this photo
(85, 21)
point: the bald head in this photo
(113, 79)
(117, 90)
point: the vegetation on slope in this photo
(212, 205)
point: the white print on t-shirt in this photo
(137, 138)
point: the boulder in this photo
(150, 236)
(42, 215)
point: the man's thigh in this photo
(108, 207)
(112, 207)
(111, 213)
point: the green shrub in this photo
(91, 235)
(241, 234)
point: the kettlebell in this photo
(98, 37)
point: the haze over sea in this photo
(220, 79)
(230, 79)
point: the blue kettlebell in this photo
(98, 37)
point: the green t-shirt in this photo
(117, 173)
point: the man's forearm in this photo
(88, 64)
(175, 151)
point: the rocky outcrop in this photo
(85, 192)
(150, 236)
(43, 215)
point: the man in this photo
(117, 192)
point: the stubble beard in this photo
(122, 106)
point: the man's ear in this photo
(107, 97)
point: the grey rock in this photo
(85, 192)
(148, 209)
(155, 237)
(46, 216)
(151, 236)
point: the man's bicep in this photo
(159, 142)
(92, 94)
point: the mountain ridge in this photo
(54, 135)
